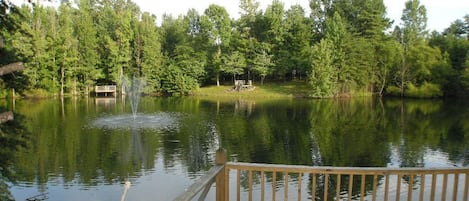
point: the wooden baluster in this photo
(410, 187)
(221, 180)
(362, 188)
(285, 189)
(300, 183)
(375, 186)
(444, 187)
(386, 188)
(337, 187)
(455, 186)
(432, 192)
(398, 187)
(326, 186)
(262, 185)
(422, 186)
(313, 187)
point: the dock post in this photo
(221, 180)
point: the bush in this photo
(176, 83)
(426, 90)
(38, 93)
(393, 91)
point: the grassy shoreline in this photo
(294, 89)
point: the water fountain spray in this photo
(133, 90)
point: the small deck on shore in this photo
(291, 182)
(105, 90)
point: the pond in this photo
(87, 148)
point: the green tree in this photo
(217, 28)
(273, 34)
(185, 53)
(455, 49)
(67, 53)
(323, 77)
(233, 64)
(414, 23)
(147, 52)
(40, 62)
(366, 23)
(116, 35)
(388, 54)
(262, 63)
(295, 49)
(412, 33)
(320, 10)
(336, 33)
(88, 57)
(173, 34)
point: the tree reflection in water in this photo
(347, 132)
(13, 137)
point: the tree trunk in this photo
(10, 68)
(62, 75)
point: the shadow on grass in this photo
(292, 88)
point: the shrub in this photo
(393, 91)
(426, 90)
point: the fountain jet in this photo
(133, 90)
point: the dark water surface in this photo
(85, 149)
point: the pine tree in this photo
(217, 27)
(88, 57)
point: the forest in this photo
(342, 48)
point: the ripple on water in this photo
(158, 121)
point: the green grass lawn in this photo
(270, 90)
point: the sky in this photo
(440, 13)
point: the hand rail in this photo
(206, 181)
(337, 183)
(203, 182)
(343, 183)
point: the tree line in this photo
(342, 48)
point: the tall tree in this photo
(414, 23)
(323, 77)
(217, 27)
(88, 57)
(320, 10)
(116, 34)
(233, 64)
(147, 54)
(412, 33)
(262, 62)
(67, 53)
(37, 70)
(296, 47)
(336, 33)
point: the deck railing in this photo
(106, 89)
(286, 182)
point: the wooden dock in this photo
(272, 182)
(106, 90)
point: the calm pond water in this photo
(85, 149)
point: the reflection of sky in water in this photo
(157, 121)
(162, 183)
(431, 159)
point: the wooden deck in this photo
(289, 182)
(105, 90)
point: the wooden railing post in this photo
(220, 159)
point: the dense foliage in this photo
(343, 48)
